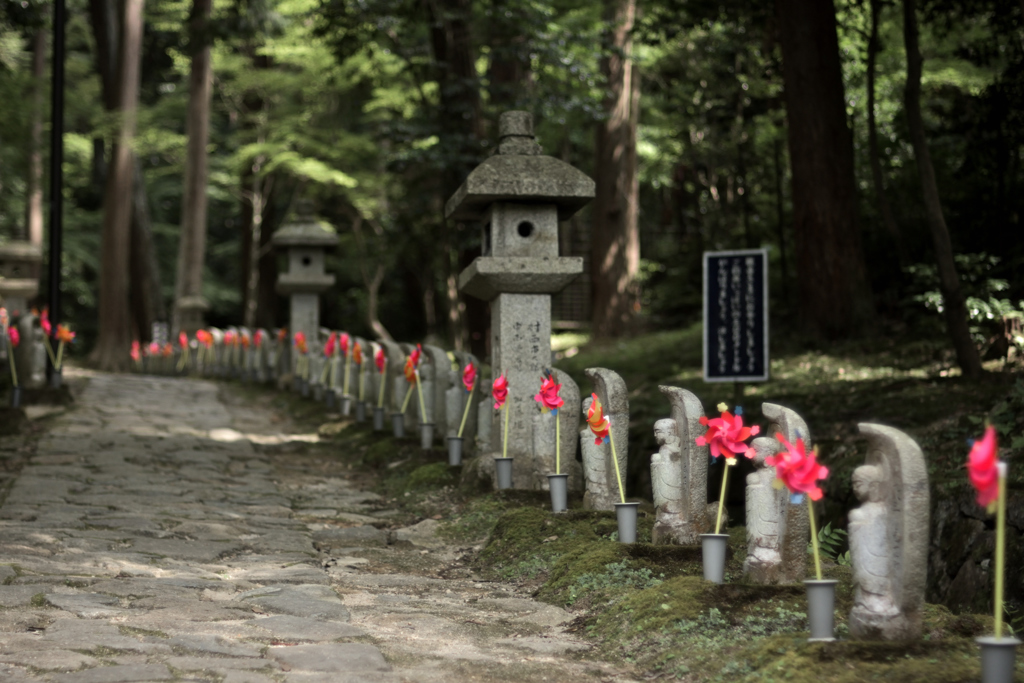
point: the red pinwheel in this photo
(44, 322)
(983, 468)
(154, 349)
(182, 340)
(499, 391)
(331, 343)
(344, 342)
(548, 397)
(469, 376)
(410, 369)
(136, 352)
(599, 424)
(14, 335)
(726, 434)
(257, 338)
(379, 359)
(229, 338)
(798, 470)
(300, 342)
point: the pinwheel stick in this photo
(345, 388)
(383, 380)
(465, 413)
(361, 380)
(60, 356)
(1000, 549)
(184, 358)
(504, 445)
(405, 401)
(49, 349)
(323, 374)
(558, 444)
(10, 360)
(419, 390)
(721, 497)
(814, 536)
(615, 459)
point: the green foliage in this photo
(614, 581)
(830, 544)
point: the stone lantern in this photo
(20, 264)
(519, 195)
(306, 239)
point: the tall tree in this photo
(146, 300)
(834, 291)
(34, 203)
(188, 287)
(615, 229)
(114, 319)
(954, 306)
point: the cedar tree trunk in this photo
(615, 237)
(949, 280)
(834, 291)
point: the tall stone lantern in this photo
(306, 240)
(519, 195)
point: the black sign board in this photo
(736, 316)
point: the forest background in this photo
(794, 125)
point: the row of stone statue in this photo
(888, 533)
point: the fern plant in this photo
(830, 543)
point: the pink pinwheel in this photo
(14, 335)
(136, 352)
(599, 424)
(416, 356)
(44, 322)
(154, 349)
(726, 434)
(548, 397)
(300, 343)
(469, 376)
(229, 338)
(798, 470)
(983, 468)
(344, 342)
(183, 340)
(331, 343)
(379, 359)
(257, 338)
(499, 391)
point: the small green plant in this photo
(830, 542)
(617, 577)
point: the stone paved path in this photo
(162, 532)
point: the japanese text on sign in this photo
(736, 316)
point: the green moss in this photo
(380, 453)
(39, 600)
(789, 658)
(433, 476)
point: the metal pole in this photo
(56, 164)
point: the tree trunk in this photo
(615, 230)
(884, 208)
(954, 306)
(34, 205)
(834, 290)
(188, 287)
(146, 292)
(111, 351)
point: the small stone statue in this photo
(679, 473)
(889, 537)
(777, 531)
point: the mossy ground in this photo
(649, 604)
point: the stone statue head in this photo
(666, 433)
(868, 483)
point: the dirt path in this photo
(166, 530)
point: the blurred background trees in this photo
(708, 125)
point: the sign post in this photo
(736, 317)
